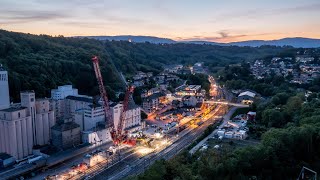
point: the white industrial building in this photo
(16, 135)
(23, 125)
(74, 104)
(89, 118)
(58, 97)
(45, 119)
(4, 89)
(63, 91)
(41, 115)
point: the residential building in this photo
(140, 75)
(132, 116)
(185, 70)
(150, 92)
(139, 83)
(190, 101)
(188, 90)
(173, 68)
(171, 77)
(198, 68)
(304, 59)
(152, 102)
(159, 79)
(4, 89)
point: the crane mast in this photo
(103, 93)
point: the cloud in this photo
(18, 17)
(257, 13)
(222, 36)
(310, 7)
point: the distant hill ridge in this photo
(295, 41)
(138, 39)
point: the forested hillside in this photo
(44, 62)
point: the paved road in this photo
(225, 120)
(227, 103)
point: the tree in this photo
(294, 104)
(273, 118)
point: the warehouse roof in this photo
(247, 93)
(13, 109)
(155, 96)
(80, 98)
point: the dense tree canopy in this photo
(44, 62)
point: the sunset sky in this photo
(211, 20)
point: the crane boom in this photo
(124, 109)
(103, 93)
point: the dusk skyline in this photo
(210, 20)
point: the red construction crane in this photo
(122, 136)
(103, 93)
(117, 134)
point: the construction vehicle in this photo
(117, 134)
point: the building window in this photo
(32, 99)
(19, 115)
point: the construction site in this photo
(94, 137)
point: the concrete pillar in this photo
(29, 135)
(2, 141)
(46, 128)
(19, 138)
(52, 122)
(6, 138)
(13, 140)
(24, 135)
(39, 130)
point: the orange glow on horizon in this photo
(232, 38)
